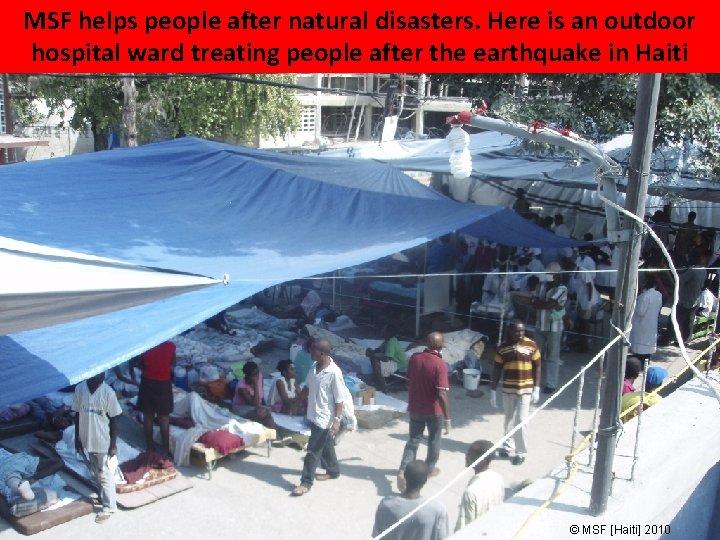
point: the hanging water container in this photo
(180, 377)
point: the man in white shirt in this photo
(484, 490)
(325, 393)
(550, 305)
(587, 296)
(97, 409)
(707, 303)
(644, 331)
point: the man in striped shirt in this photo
(517, 362)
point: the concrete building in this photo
(339, 108)
(13, 148)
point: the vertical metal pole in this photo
(576, 421)
(7, 154)
(420, 291)
(504, 286)
(352, 119)
(641, 151)
(601, 365)
(639, 422)
(334, 280)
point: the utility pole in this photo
(5, 154)
(129, 110)
(640, 154)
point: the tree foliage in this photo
(600, 106)
(214, 108)
(206, 107)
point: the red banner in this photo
(44, 36)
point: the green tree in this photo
(208, 107)
(96, 102)
(225, 109)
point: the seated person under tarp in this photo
(388, 358)
(249, 401)
(284, 395)
(630, 405)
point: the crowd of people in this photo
(509, 278)
(556, 286)
(429, 411)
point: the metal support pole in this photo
(639, 422)
(641, 151)
(596, 418)
(352, 119)
(334, 280)
(8, 154)
(576, 421)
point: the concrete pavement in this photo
(249, 496)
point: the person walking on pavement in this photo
(325, 393)
(517, 362)
(428, 404)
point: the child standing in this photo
(97, 409)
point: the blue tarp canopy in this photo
(500, 158)
(199, 208)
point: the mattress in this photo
(40, 521)
(128, 496)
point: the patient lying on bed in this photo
(17, 472)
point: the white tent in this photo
(559, 183)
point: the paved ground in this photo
(249, 496)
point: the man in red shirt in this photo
(428, 386)
(156, 396)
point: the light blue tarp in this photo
(210, 209)
(499, 158)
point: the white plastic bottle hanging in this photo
(460, 159)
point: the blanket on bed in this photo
(208, 417)
(144, 466)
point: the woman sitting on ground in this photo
(285, 394)
(248, 401)
(633, 368)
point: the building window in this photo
(307, 119)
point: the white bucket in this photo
(471, 379)
(209, 373)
